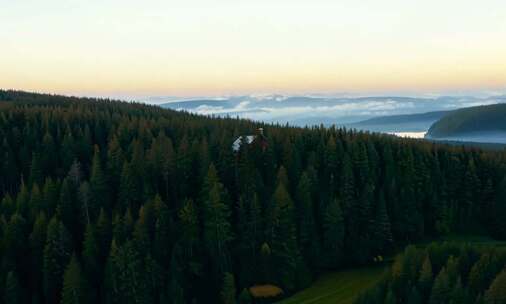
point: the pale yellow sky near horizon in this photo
(220, 47)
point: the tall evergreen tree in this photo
(282, 235)
(217, 227)
(12, 291)
(57, 252)
(74, 290)
(228, 290)
(99, 188)
(333, 235)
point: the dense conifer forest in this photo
(443, 273)
(491, 118)
(112, 202)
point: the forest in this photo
(491, 118)
(443, 273)
(104, 201)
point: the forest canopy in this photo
(443, 273)
(104, 201)
(491, 118)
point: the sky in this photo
(233, 47)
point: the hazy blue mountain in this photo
(316, 110)
(400, 123)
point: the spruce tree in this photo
(307, 236)
(91, 257)
(15, 243)
(285, 252)
(426, 278)
(244, 297)
(441, 290)
(23, 201)
(128, 189)
(496, 293)
(333, 233)
(217, 227)
(228, 289)
(390, 298)
(98, 186)
(50, 194)
(12, 291)
(37, 241)
(57, 253)
(383, 227)
(74, 290)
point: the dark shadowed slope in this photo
(474, 119)
(480, 124)
(400, 123)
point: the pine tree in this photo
(115, 160)
(112, 293)
(99, 187)
(67, 207)
(244, 297)
(37, 241)
(425, 279)
(130, 274)
(49, 155)
(36, 170)
(175, 289)
(228, 289)
(8, 207)
(91, 257)
(458, 294)
(74, 290)
(307, 235)
(217, 228)
(333, 233)
(190, 231)
(36, 201)
(103, 229)
(496, 293)
(414, 297)
(390, 297)
(441, 290)
(382, 232)
(482, 273)
(164, 234)
(12, 292)
(85, 199)
(23, 201)
(14, 243)
(284, 248)
(57, 252)
(128, 189)
(67, 150)
(50, 194)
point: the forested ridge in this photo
(491, 118)
(112, 202)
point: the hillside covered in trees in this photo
(112, 202)
(443, 273)
(479, 119)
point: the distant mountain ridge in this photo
(317, 110)
(469, 121)
(419, 122)
(393, 119)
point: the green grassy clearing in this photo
(342, 287)
(338, 287)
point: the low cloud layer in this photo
(309, 110)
